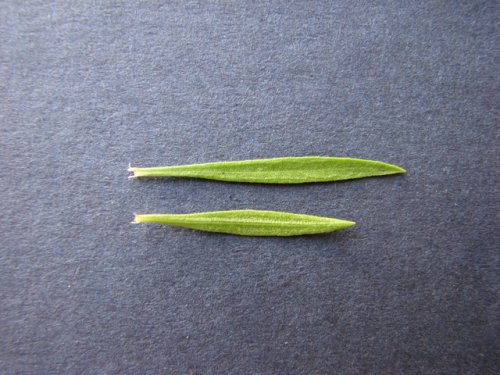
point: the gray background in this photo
(87, 87)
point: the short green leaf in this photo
(249, 222)
(290, 170)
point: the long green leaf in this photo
(290, 170)
(249, 222)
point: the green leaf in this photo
(290, 170)
(249, 222)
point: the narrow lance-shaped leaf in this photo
(290, 170)
(249, 222)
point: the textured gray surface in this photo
(87, 87)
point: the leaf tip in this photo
(395, 169)
(348, 224)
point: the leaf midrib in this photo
(247, 222)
